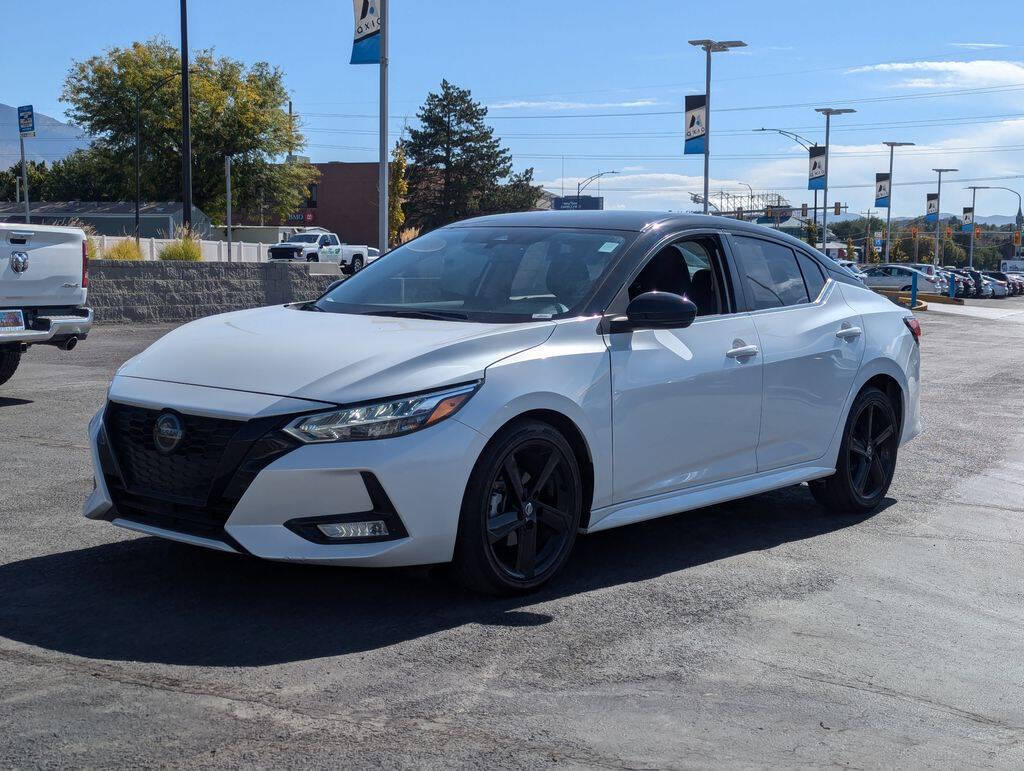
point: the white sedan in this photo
(901, 277)
(490, 390)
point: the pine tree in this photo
(455, 159)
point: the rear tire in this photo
(9, 361)
(867, 457)
(520, 512)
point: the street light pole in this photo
(1020, 216)
(709, 47)
(828, 112)
(140, 97)
(186, 129)
(581, 186)
(938, 213)
(974, 216)
(888, 209)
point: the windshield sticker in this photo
(609, 246)
(542, 316)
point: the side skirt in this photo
(628, 512)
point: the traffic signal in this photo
(949, 232)
(839, 208)
(1016, 238)
(803, 210)
(739, 212)
(914, 231)
(977, 230)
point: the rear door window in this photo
(813, 276)
(770, 273)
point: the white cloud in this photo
(634, 168)
(979, 46)
(979, 73)
(559, 105)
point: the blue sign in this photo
(882, 189)
(816, 168)
(576, 202)
(366, 42)
(26, 121)
(696, 127)
(932, 208)
(968, 219)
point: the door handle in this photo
(742, 352)
(848, 333)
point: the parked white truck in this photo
(319, 245)
(44, 282)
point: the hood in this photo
(329, 357)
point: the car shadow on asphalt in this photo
(146, 599)
(10, 401)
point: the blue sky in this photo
(562, 63)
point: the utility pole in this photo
(382, 202)
(186, 129)
(938, 214)
(974, 218)
(888, 209)
(709, 47)
(24, 178)
(828, 112)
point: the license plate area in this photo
(12, 321)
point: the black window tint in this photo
(813, 276)
(770, 273)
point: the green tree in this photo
(457, 164)
(38, 178)
(398, 189)
(518, 194)
(235, 110)
(812, 233)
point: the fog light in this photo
(342, 530)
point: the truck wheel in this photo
(313, 258)
(9, 361)
(357, 264)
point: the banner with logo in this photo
(968, 219)
(696, 115)
(882, 189)
(366, 43)
(816, 168)
(932, 208)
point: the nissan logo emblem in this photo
(168, 433)
(19, 262)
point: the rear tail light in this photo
(914, 326)
(85, 264)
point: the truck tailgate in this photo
(52, 273)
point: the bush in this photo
(125, 249)
(184, 250)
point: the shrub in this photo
(125, 249)
(184, 250)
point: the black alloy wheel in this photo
(357, 264)
(867, 456)
(521, 511)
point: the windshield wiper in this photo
(419, 314)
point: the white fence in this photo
(213, 251)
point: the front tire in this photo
(9, 361)
(357, 264)
(313, 258)
(867, 457)
(520, 513)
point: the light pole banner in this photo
(816, 168)
(26, 121)
(932, 208)
(366, 43)
(968, 219)
(882, 186)
(696, 114)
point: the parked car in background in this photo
(1015, 286)
(900, 278)
(319, 245)
(853, 267)
(974, 285)
(493, 388)
(44, 284)
(958, 281)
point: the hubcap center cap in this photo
(528, 510)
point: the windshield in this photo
(499, 274)
(305, 238)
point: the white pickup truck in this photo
(44, 280)
(318, 245)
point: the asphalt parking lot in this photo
(762, 632)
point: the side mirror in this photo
(656, 310)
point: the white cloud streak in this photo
(979, 73)
(559, 105)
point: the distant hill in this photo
(53, 140)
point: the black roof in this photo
(623, 220)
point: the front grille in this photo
(195, 488)
(281, 253)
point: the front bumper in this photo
(52, 328)
(423, 476)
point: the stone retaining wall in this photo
(148, 292)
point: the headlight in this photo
(382, 419)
